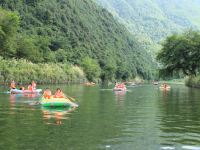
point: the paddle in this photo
(70, 98)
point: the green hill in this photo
(152, 20)
(70, 30)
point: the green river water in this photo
(143, 118)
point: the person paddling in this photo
(12, 85)
(59, 94)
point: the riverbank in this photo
(190, 81)
(174, 81)
(23, 72)
(193, 81)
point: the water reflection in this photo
(56, 115)
(24, 96)
(12, 103)
(119, 97)
(31, 95)
(179, 117)
(145, 118)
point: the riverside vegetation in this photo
(180, 57)
(24, 71)
(75, 32)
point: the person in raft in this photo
(33, 85)
(30, 87)
(164, 85)
(59, 94)
(12, 85)
(47, 93)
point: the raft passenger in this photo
(47, 93)
(59, 94)
(33, 85)
(30, 87)
(12, 85)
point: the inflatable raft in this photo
(165, 88)
(57, 102)
(155, 83)
(119, 89)
(17, 91)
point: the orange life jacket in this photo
(30, 87)
(47, 94)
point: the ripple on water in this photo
(142, 119)
(167, 148)
(191, 147)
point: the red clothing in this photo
(30, 87)
(120, 86)
(59, 95)
(47, 96)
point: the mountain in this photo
(152, 20)
(70, 30)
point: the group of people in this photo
(164, 85)
(121, 85)
(47, 92)
(31, 86)
(58, 94)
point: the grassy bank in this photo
(23, 71)
(193, 81)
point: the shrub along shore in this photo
(193, 81)
(23, 72)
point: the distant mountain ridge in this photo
(150, 21)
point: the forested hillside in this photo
(69, 31)
(153, 20)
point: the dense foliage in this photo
(8, 28)
(91, 68)
(181, 53)
(193, 81)
(24, 71)
(151, 21)
(70, 30)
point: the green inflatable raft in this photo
(57, 102)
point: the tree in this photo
(9, 23)
(180, 53)
(109, 69)
(91, 68)
(123, 71)
(27, 49)
(61, 55)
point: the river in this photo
(143, 118)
